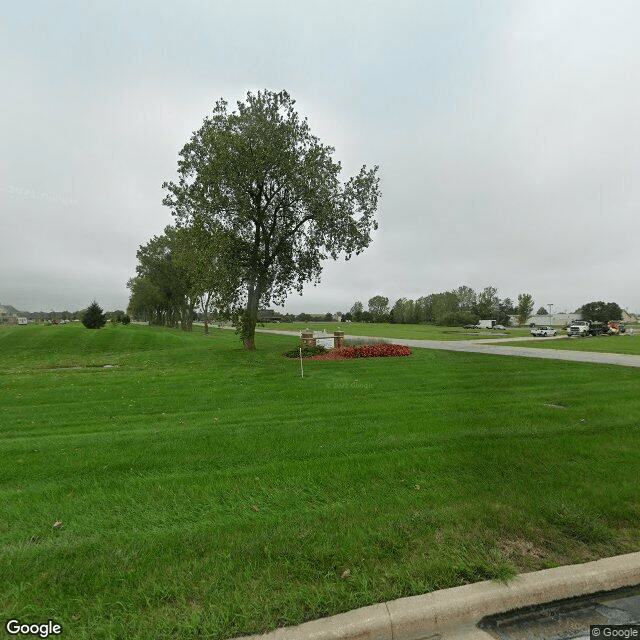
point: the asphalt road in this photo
(570, 619)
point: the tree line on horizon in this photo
(424, 310)
(163, 293)
(463, 306)
(56, 316)
(167, 291)
(448, 308)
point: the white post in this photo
(301, 368)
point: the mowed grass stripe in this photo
(206, 492)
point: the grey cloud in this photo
(506, 133)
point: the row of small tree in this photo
(465, 306)
(450, 308)
(177, 275)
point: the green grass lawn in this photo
(605, 344)
(205, 492)
(386, 330)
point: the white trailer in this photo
(22, 321)
(486, 324)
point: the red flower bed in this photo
(365, 351)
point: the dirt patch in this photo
(518, 548)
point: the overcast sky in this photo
(507, 134)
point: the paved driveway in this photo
(489, 346)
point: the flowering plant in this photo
(365, 351)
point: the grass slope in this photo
(208, 492)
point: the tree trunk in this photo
(185, 314)
(250, 319)
(192, 306)
(206, 313)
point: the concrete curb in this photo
(454, 613)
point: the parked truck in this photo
(595, 328)
(598, 329)
(543, 332)
(578, 328)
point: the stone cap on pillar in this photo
(307, 338)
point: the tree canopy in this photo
(601, 311)
(160, 292)
(457, 307)
(356, 311)
(178, 272)
(525, 307)
(379, 308)
(261, 181)
(93, 317)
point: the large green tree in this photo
(467, 298)
(259, 175)
(524, 307)
(405, 311)
(356, 311)
(379, 308)
(443, 305)
(601, 311)
(160, 292)
(424, 309)
(488, 303)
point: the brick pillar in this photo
(308, 339)
(338, 339)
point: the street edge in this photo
(454, 612)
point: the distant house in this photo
(8, 315)
(629, 317)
